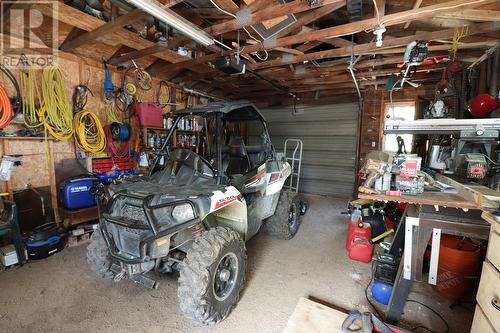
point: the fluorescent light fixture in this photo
(167, 16)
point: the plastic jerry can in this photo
(357, 229)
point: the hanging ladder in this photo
(295, 161)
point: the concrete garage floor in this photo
(61, 294)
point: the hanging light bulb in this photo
(379, 30)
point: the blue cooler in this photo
(75, 192)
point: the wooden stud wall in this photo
(76, 70)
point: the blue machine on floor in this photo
(45, 240)
(75, 192)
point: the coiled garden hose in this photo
(89, 134)
(56, 113)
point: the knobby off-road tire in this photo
(98, 256)
(284, 224)
(204, 297)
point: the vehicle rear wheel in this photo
(212, 276)
(98, 256)
(284, 224)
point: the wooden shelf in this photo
(28, 138)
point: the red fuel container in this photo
(354, 230)
(358, 242)
(149, 114)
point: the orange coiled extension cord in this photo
(6, 110)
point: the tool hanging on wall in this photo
(9, 107)
(56, 113)
(125, 97)
(108, 87)
(80, 97)
(163, 96)
(142, 79)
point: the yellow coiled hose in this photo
(89, 133)
(31, 98)
(56, 112)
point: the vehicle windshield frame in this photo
(219, 121)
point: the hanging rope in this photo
(89, 134)
(56, 113)
(119, 152)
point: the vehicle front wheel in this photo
(212, 276)
(284, 224)
(98, 256)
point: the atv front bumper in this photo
(135, 241)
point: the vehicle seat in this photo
(238, 157)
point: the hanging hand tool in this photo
(401, 146)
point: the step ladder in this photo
(295, 161)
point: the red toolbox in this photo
(149, 114)
(108, 164)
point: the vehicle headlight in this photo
(183, 213)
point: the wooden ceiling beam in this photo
(116, 24)
(481, 15)
(81, 20)
(416, 5)
(347, 29)
(296, 6)
(309, 17)
(387, 47)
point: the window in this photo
(399, 111)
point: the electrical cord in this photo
(5, 108)
(119, 152)
(89, 133)
(17, 101)
(8, 108)
(408, 300)
(80, 97)
(56, 113)
(433, 311)
(31, 98)
(111, 113)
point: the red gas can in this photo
(149, 114)
(358, 243)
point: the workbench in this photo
(428, 215)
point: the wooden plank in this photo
(296, 6)
(130, 17)
(350, 28)
(136, 54)
(81, 20)
(428, 198)
(474, 15)
(310, 17)
(416, 5)
(312, 317)
(387, 47)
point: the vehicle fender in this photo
(229, 209)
